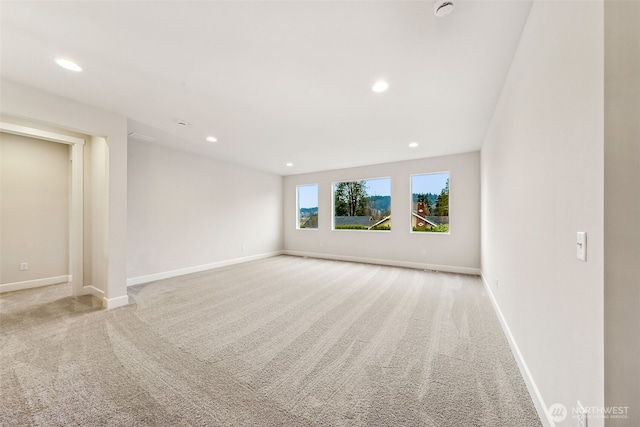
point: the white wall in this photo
(38, 107)
(188, 213)
(458, 251)
(622, 208)
(34, 216)
(542, 181)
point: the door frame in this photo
(76, 213)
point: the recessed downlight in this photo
(443, 8)
(413, 144)
(380, 86)
(69, 65)
(290, 164)
(212, 139)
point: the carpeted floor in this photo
(283, 341)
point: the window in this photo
(362, 205)
(307, 206)
(430, 203)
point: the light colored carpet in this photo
(284, 341)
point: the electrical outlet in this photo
(581, 415)
(24, 266)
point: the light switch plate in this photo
(581, 245)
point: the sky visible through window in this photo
(429, 183)
(307, 206)
(307, 196)
(379, 187)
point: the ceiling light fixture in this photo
(290, 164)
(69, 65)
(443, 8)
(212, 139)
(380, 86)
(413, 144)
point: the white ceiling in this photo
(276, 81)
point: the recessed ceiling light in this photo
(212, 139)
(69, 65)
(443, 8)
(290, 164)
(413, 144)
(380, 86)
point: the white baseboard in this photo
(28, 284)
(392, 263)
(188, 270)
(538, 401)
(92, 290)
(110, 303)
(107, 303)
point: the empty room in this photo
(305, 213)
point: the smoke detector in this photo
(442, 8)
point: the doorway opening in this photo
(75, 211)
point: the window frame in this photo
(298, 206)
(411, 192)
(333, 200)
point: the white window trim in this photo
(411, 203)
